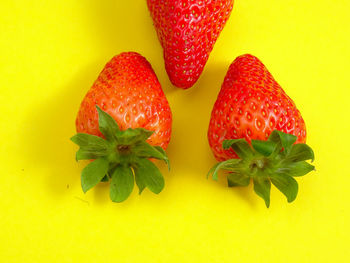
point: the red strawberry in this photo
(252, 106)
(131, 108)
(188, 31)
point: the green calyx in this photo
(275, 161)
(122, 157)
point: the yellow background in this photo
(52, 51)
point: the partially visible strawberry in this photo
(253, 108)
(124, 120)
(188, 31)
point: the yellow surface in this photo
(52, 51)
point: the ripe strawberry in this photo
(250, 105)
(131, 124)
(188, 31)
(253, 108)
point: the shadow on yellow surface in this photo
(196, 157)
(55, 119)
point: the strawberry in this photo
(124, 120)
(188, 31)
(257, 132)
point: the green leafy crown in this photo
(120, 157)
(276, 160)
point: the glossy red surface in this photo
(130, 92)
(250, 105)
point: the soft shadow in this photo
(50, 126)
(246, 194)
(189, 150)
(101, 193)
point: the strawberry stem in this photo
(275, 161)
(121, 156)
